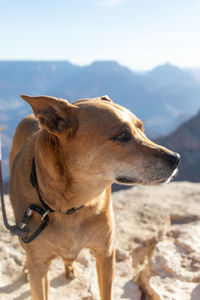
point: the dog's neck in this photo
(58, 185)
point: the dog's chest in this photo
(68, 238)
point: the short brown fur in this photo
(79, 150)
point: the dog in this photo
(79, 151)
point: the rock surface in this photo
(155, 260)
(173, 271)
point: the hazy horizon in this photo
(92, 62)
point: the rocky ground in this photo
(158, 250)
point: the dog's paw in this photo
(71, 271)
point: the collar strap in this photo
(34, 182)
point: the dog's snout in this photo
(174, 158)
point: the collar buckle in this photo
(45, 214)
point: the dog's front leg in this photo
(105, 269)
(38, 276)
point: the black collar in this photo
(34, 182)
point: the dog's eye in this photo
(124, 136)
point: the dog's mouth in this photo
(133, 181)
(126, 180)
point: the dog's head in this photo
(103, 141)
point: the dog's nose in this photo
(174, 159)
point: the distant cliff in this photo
(186, 141)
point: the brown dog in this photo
(79, 151)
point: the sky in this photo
(140, 34)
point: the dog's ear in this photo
(106, 98)
(55, 115)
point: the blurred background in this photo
(144, 54)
